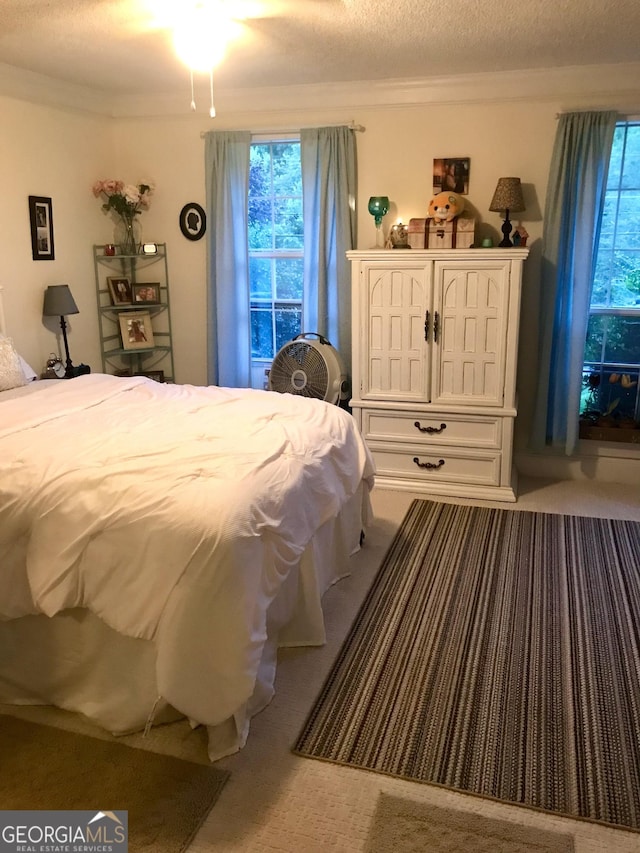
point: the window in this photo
(276, 251)
(611, 372)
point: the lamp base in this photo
(506, 241)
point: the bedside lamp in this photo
(58, 302)
(507, 197)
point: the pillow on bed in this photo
(11, 373)
(29, 372)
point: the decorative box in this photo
(457, 234)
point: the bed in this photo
(158, 543)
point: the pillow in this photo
(29, 372)
(11, 373)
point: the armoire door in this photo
(396, 331)
(471, 302)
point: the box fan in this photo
(309, 368)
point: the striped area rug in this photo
(497, 653)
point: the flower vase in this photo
(127, 235)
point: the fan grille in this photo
(299, 369)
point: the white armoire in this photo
(435, 345)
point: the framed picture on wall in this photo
(193, 221)
(451, 174)
(41, 220)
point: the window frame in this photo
(601, 367)
(274, 304)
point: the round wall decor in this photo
(193, 221)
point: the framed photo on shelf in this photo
(156, 375)
(41, 219)
(136, 330)
(146, 292)
(120, 290)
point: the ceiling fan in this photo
(202, 30)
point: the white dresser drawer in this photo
(436, 465)
(431, 429)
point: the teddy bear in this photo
(445, 206)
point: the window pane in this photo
(615, 162)
(625, 284)
(288, 223)
(289, 273)
(287, 170)
(631, 168)
(613, 340)
(259, 171)
(260, 278)
(611, 392)
(621, 340)
(628, 224)
(260, 225)
(261, 333)
(288, 322)
(595, 338)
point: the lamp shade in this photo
(58, 301)
(508, 196)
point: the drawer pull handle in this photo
(430, 430)
(436, 327)
(426, 326)
(432, 465)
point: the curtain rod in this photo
(357, 128)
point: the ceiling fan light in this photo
(201, 35)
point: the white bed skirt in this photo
(76, 662)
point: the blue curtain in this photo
(573, 212)
(228, 306)
(329, 176)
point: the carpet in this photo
(497, 653)
(405, 826)
(167, 798)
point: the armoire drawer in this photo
(441, 464)
(441, 429)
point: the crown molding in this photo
(566, 86)
(47, 91)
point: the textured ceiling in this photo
(114, 45)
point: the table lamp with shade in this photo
(507, 198)
(58, 302)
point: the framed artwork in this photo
(146, 292)
(136, 330)
(41, 219)
(120, 290)
(156, 375)
(193, 221)
(451, 174)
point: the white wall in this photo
(59, 153)
(395, 158)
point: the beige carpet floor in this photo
(277, 802)
(46, 768)
(401, 825)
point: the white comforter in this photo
(172, 512)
